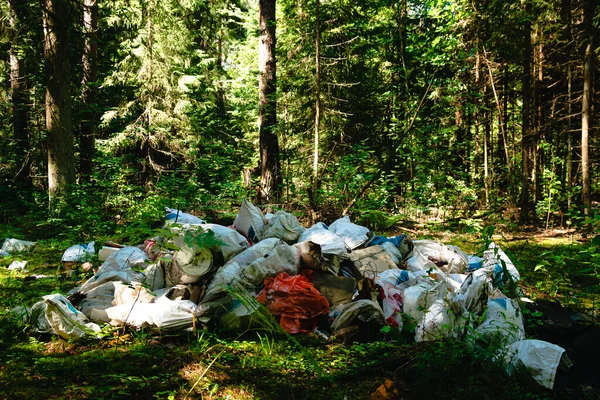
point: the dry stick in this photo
(408, 128)
(487, 61)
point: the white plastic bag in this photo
(79, 253)
(418, 298)
(455, 259)
(125, 258)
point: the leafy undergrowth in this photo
(263, 365)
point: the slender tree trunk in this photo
(317, 97)
(18, 86)
(61, 159)
(220, 92)
(586, 104)
(270, 171)
(527, 136)
(87, 137)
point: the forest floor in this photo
(559, 272)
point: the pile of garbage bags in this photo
(338, 280)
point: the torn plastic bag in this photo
(361, 311)
(126, 258)
(539, 358)
(418, 298)
(444, 318)
(79, 253)
(450, 259)
(475, 290)
(284, 226)
(311, 256)
(330, 242)
(495, 254)
(295, 301)
(131, 293)
(175, 216)
(503, 318)
(234, 242)
(66, 320)
(250, 221)
(403, 243)
(164, 314)
(230, 274)
(11, 246)
(354, 236)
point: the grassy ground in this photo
(263, 365)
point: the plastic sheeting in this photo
(540, 359)
(295, 300)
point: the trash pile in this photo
(339, 280)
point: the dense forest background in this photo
(111, 110)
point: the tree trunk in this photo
(61, 164)
(317, 97)
(87, 137)
(270, 175)
(586, 104)
(18, 86)
(527, 136)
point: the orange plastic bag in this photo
(295, 300)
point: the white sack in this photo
(284, 226)
(498, 253)
(456, 259)
(66, 320)
(476, 289)
(250, 221)
(418, 298)
(164, 314)
(393, 251)
(440, 321)
(179, 217)
(126, 258)
(503, 317)
(353, 235)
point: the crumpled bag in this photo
(284, 226)
(362, 311)
(444, 318)
(330, 242)
(175, 216)
(295, 300)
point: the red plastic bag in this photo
(295, 300)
